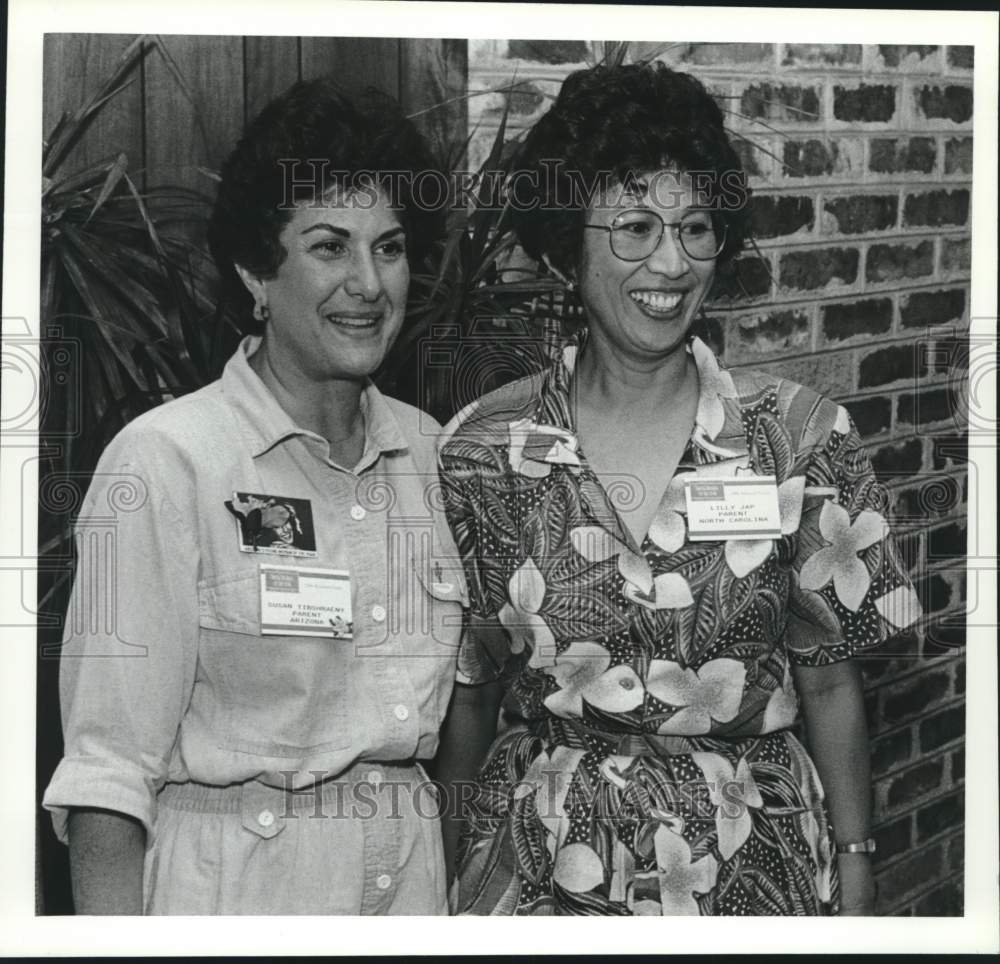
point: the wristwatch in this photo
(861, 847)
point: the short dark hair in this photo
(303, 143)
(613, 122)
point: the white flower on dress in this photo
(578, 868)
(534, 448)
(680, 879)
(582, 672)
(900, 608)
(521, 619)
(734, 794)
(839, 560)
(782, 706)
(549, 778)
(713, 692)
(667, 591)
(745, 555)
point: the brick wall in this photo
(860, 157)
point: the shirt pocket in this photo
(279, 696)
(438, 597)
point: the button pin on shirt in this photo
(402, 713)
(383, 881)
(378, 613)
(358, 513)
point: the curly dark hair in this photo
(303, 143)
(610, 123)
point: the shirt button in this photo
(402, 713)
(627, 684)
(383, 881)
(378, 614)
(374, 778)
(265, 818)
(358, 513)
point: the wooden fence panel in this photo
(356, 62)
(271, 66)
(198, 126)
(75, 65)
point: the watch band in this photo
(861, 847)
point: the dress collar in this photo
(718, 426)
(264, 423)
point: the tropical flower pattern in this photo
(650, 768)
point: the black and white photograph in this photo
(453, 475)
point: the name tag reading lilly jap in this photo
(305, 602)
(733, 508)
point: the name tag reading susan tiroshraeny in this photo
(296, 601)
(743, 507)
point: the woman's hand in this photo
(857, 885)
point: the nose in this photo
(668, 258)
(364, 281)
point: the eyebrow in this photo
(344, 233)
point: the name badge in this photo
(305, 602)
(733, 508)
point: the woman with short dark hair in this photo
(244, 725)
(665, 558)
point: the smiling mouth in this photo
(657, 302)
(354, 322)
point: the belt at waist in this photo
(575, 733)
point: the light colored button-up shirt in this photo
(165, 673)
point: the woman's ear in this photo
(258, 291)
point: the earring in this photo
(261, 312)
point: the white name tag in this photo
(305, 602)
(733, 508)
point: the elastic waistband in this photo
(237, 797)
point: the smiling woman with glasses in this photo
(666, 560)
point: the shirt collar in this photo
(264, 423)
(717, 416)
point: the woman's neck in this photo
(617, 384)
(331, 409)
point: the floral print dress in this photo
(648, 765)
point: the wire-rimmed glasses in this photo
(635, 234)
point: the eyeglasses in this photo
(636, 234)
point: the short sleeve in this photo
(850, 591)
(129, 644)
(485, 653)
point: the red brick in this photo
(914, 696)
(868, 103)
(747, 277)
(549, 51)
(785, 103)
(897, 457)
(947, 900)
(754, 161)
(947, 542)
(958, 155)
(952, 102)
(909, 875)
(844, 320)
(895, 656)
(948, 813)
(871, 415)
(950, 451)
(925, 309)
(860, 213)
(830, 374)
(934, 592)
(887, 365)
(956, 255)
(914, 783)
(959, 684)
(909, 57)
(925, 408)
(945, 638)
(942, 727)
(956, 852)
(813, 157)
(818, 268)
(711, 331)
(888, 752)
(766, 335)
(893, 839)
(892, 156)
(726, 55)
(958, 765)
(935, 208)
(896, 262)
(778, 215)
(961, 57)
(827, 55)
(928, 499)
